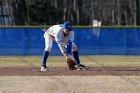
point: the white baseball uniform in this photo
(56, 33)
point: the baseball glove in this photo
(71, 64)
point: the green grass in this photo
(29, 61)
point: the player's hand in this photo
(69, 57)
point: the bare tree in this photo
(79, 12)
(137, 12)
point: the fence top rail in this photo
(73, 26)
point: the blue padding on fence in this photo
(90, 41)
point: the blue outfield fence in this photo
(90, 41)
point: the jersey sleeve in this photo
(71, 37)
(58, 37)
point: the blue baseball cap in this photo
(67, 26)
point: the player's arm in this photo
(69, 44)
(62, 49)
(58, 39)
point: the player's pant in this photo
(48, 46)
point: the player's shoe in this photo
(82, 67)
(43, 68)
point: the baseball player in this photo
(64, 37)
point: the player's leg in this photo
(76, 57)
(48, 45)
(75, 53)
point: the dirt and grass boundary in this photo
(107, 74)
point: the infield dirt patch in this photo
(107, 74)
(64, 71)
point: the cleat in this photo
(82, 67)
(43, 68)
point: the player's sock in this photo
(44, 58)
(76, 57)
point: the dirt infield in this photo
(107, 74)
(63, 71)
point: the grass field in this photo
(29, 61)
(70, 84)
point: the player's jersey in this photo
(57, 32)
